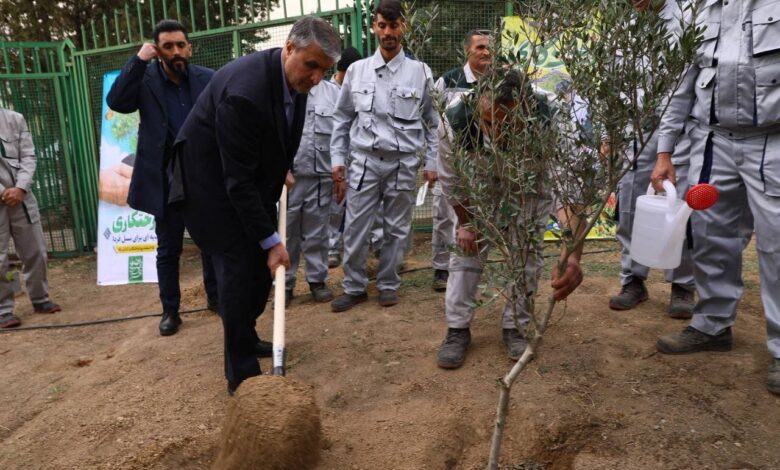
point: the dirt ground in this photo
(120, 396)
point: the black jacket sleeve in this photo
(124, 94)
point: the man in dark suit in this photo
(232, 156)
(163, 92)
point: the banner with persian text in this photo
(127, 244)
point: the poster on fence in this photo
(550, 71)
(127, 244)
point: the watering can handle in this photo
(671, 193)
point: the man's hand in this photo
(289, 180)
(114, 184)
(13, 196)
(277, 256)
(431, 177)
(147, 52)
(339, 183)
(664, 170)
(467, 240)
(571, 278)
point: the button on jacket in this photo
(392, 106)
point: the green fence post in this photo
(105, 30)
(127, 23)
(116, 28)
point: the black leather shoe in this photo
(263, 348)
(169, 324)
(231, 389)
(212, 303)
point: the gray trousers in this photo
(746, 171)
(443, 237)
(369, 176)
(308, 211)
(377, 235)
(31, 249)
(466, 272)
(633, 185)
(335, 243)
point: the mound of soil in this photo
(272, 423)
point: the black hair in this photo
(509, 84)
(391, 10)
(168, 26)
(475, 32)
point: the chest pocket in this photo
(10, 148)
(363, 96)
(323, 128)
(766, 29)
(406, 103)
(705, 56)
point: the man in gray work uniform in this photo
(728, 103)
(389, 97)
(308, 204)
(19, 218)
(469, 126)
(634, 184)
(454, 84)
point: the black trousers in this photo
(243, 282)
(170, 238)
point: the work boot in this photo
(334, 260)
(46, 307)
(452, 352)
(169, 324)
(288, 296)
(387, 298)
(440, 277)
(346, 301)
(320, 292)
(691, 340)
(631, 295)
(515, 343)
(681, 303)
(9, 320)
(773, 378)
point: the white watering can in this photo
(660, 221)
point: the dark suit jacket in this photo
(139, 87)
(233, 152)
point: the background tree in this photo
(56, 20)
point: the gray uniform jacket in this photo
(17, 166)
(734, 82)
(393, 108)
(313, 157)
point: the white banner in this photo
(127, 244)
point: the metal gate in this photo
(38, 80)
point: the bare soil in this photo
(120, 396)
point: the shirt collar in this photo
(378, 61)
(287, 94)
(470, 77)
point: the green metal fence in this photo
(38, 81)
(59, 89)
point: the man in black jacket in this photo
(163, 92)
(232, 156)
